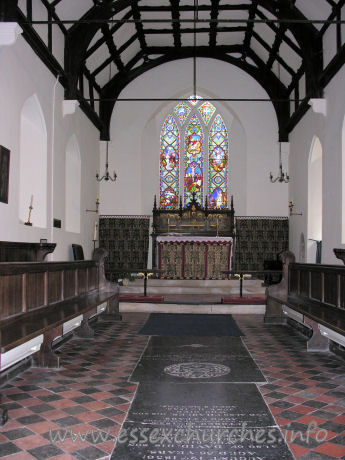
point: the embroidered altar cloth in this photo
(194, 257)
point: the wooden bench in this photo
(44, 298)
(42, 301)
(21, 251)
(314, 296)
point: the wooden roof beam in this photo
(120, 50)
(191, 31)
(213, 25)
(276, 45)
(189, 8)
(250, 27)
(112, 48)
(138, 25)
(175, 15)
(267, 79)
(101, 41)
(286, 39)
(269, 49)
(335, 11)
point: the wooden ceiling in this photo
(109, 43)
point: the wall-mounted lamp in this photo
(97, 206)
(291, 206)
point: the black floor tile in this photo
(17, 433)
(47, 451)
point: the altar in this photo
(193, 257)
(192, 242)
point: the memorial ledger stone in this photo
(187, 406)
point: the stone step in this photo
(195, 283)
(189, 287)
(215, 309)
(157, 290)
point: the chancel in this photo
(172, 232)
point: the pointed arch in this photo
(169, 164)
(33, 163)
(72, 185)
(343, 183)
(193, 163)
(218, 161)
(314, 199)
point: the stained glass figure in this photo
(218, 159)
(194, 99)
(182, 110)
(207, 110)
(193, 177)
(169, 164)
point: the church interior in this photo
(172, 232)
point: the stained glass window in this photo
(207, 110)
(218, 160)
(204, 149)
(182, 110)
(193, 177)
(194, 99)
(169, 164)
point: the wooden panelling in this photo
(45, 283)
(304, 283)
(11, 295)
(54, 286)
(93, 278)
(293, 281)
(342, 291)
(331, 288)
(69, 284)
(316, 285)
(82, 280)
(34, 290)
(320, 283)
(11, 251)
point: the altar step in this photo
(215, 309)
(193, 296)
(194, 287)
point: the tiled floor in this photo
(304, 389)
(90, 394)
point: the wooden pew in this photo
(43, 299)
(313, 295)
(21, 251)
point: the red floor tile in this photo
(298, 451)
(331, 449)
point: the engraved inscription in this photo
(197, 370)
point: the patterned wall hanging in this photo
(259, 239)
(126, 238)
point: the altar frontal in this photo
(193, 242)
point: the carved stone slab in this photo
(191, 359)
(200, 421)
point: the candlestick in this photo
(30, 209)
(95, 231)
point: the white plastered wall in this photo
(329, 130)
(135, 130)
(22, 76)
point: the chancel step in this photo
(189, 287)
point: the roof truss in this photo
(129, 34)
